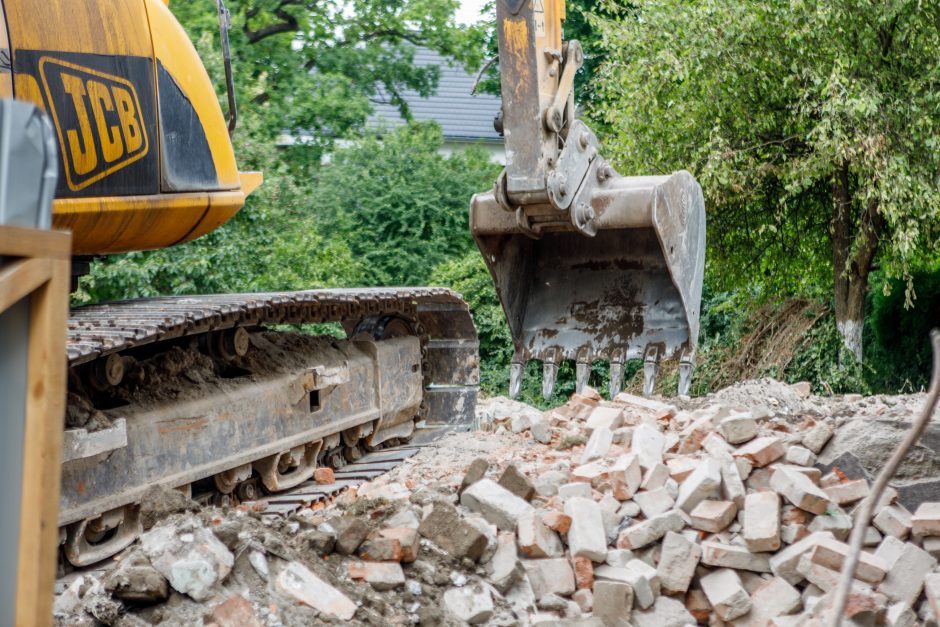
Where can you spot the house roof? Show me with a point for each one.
(462, 117)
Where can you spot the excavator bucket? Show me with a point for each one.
(633, 290)
(588, 264)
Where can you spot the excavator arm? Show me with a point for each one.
(589, 265)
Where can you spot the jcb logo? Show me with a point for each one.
(98, 119)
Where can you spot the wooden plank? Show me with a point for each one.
(21, 278)
(17, 241)
(42, 445)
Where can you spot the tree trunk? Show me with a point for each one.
(854, 244)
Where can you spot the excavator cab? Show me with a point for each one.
(589, 265)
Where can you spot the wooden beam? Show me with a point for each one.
(21, 278)
(16, 241)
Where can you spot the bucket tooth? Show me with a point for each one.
(650, 370)
(515, 378)
(582, 370)
(549, 374)
(616, 372)
(686, 369)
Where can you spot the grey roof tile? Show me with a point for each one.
(461, 116)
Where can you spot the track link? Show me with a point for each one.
(411, 355)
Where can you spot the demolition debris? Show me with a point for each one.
(729, 509)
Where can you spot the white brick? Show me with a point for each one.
(713, 516)
(905, 577)
(774, 597)
(932, 590)
(625, 476)
(613, 601)
(847, 492)
(832, 554)
(586, 537)
(926, 520)
(572, 490)
(681, 467)
(893, 520)
(655, 477)
(800, 456)
(762, 521)
(677, 563)
(834, 520)
(799, 490)
(733, 556)
(597, 445)
(815, 439)
(784, 563)
(643, 533)
(648, 445)
(666, 612)
(497, 504)
(535, 539)
(703, 483)
(738, 428)
(654, 502)
(550, 576)
(607, 417)
(762, 451)
(726, 594)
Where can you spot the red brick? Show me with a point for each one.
(583, 573)
(324, 475)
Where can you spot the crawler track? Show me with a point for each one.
(185, 391)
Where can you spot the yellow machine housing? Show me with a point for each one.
(145, 158)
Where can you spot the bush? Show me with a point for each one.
(896, 339)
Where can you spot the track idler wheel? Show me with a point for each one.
(227, 481)
(94, 539)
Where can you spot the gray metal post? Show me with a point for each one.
(28, 171)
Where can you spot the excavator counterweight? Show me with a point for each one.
(589, 265)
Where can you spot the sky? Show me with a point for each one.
(469, 11)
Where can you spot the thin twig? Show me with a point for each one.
(868, 505)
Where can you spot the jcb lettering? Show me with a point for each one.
(98, 118)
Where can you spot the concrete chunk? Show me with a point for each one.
(517, 483)
(444, 527)
(471, 604)
(800, 456)
(597, 445)
(497, 504)
(726, 594)
(380, 575)
(666, 612)
(774, 597)
(816, 438)
(762, 521)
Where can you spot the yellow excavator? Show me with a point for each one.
(198, 392)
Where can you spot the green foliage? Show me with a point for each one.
(273, 243)
(399, 205)
(898, 346)
(315, 66)
(824, 362)
(763, 101)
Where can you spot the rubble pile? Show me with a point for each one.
(623, 512)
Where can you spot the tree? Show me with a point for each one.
(813, 126)
(316, 66)
(398, 204)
